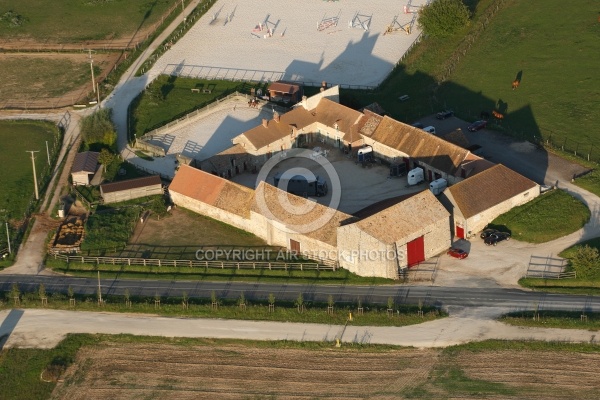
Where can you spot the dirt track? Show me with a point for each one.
(119, 371)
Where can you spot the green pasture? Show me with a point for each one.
(16, 179)
(550, 216)
(168, 98)
(555, 52)
(69, 21)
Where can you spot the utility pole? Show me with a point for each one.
(99, 289)
(92, 69)
(37, 196)
(98, 92)
(183, 11)
(47, 152)
(8, 239)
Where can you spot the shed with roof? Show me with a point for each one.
(85, 167)
(130, 189)
(477, 201)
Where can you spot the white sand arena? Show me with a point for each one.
(305, 41)
(211, 132)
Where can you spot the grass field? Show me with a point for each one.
(555, 55)
(16, 179)
(86, 20)
(32, 76)
(550, 216)
(168, 98)
(103, 366)
(555, 319)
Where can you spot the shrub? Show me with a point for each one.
(443, 18)
(586, 262)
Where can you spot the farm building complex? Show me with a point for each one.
(379, 242)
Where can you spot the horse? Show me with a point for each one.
(515, 84)
(497, 115)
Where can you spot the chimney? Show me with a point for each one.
(265, 122)
(276, 116)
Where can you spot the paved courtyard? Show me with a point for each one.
(359, 186)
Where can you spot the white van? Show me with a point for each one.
(430, 129)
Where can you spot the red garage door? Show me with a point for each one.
(416, 251)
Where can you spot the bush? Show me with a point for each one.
(98, 130)
(443, 18)
(586, 262)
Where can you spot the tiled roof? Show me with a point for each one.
(212, 190)
(458, 138)
(330, 113)
(371, 123)
(488, 189)
(261, 136)
(284, 87)
(420, 145)
(405, 218)
(307, 213)
(85, 162)
(131, 184)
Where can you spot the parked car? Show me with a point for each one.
(477, 125)
(418, 125)
(487, 232)
(494, 238)
(444, 114)
(457, 253)
(430, 129)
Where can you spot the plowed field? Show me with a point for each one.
(158, 371)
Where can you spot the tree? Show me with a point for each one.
(42, 291)
(105, 157)
(300, 302)
(443, 18)
(242, 299)
(70, 292)
(15, 293)
(98, 130)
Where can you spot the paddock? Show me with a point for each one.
(341, 42)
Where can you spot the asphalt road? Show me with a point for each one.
(441, 297)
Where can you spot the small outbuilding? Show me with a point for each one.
(285, 92)
(85, 168)
(131, 189)
(478, 200)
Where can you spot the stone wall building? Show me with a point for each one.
(477, 201)
(397, 237)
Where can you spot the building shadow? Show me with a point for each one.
(8, 325)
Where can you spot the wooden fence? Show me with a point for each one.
(156, 262)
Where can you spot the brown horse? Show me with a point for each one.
(497, 115)
(515, 84)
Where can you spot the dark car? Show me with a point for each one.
(487, 232)
(457, 253)
(494, 238)
(418, 125)
(444, 114)
(477, 125)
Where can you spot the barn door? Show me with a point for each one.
(460, 232)
(416, 251)
(295, 246)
